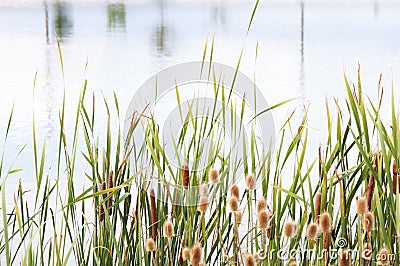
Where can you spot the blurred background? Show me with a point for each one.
(303, 48)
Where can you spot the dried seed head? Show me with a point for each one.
(250, 182)
(168, 229)
(249, 260)
(317, 205)
(312, 231)
(238, 217)
(195, 256)
(394, 168)
(263, 219)
(101, 212)
(367, 251)
(150, 245)
(383, 256)
(185, 175)
(233, 204)
(290, 229)
(362, 207)
(213, 176)
(345, 258)
(325, 222)
(369, 222)
(293, 263)
(261, 205)
(235, 191)
(186, 253)
(153, 211)
(203, 204)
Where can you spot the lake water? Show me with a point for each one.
(303, 48)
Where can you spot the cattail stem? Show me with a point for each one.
(153, 210)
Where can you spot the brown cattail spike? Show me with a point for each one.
(345, 258)
(369, 222)
(168, 229)
(396, 183)
(249, 260)
(290, 229)
(203, 204)
(195, 257)
(150, 245)
(153, 211)
(362, 206)
(186, 253)
(101, 212)
(261, 205)
(213, 176)
(384, 256)
(235, 191)
(233, 204)
(263, 219)
(327, 241)
(325, 222)
(312, 231)
(317, 206)
(185, 175)
(250, 182)
(370, 190)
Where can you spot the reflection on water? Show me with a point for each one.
(161, 32)
(116, 16)
(63, 24)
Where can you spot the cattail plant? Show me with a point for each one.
(233, 204)
(249, 260)
(312, 231)
(345, 258)
(263, 219)
(317, 205)
(250, 182)
(395, 180)
(203, 204)
(383, 256)
(110, 185)
(370, 190)
(185, 176)
(261, 205)
(168, 229)
(153, 212)
(369, 222)
(325, 222)
(362, 206)
(150, 245)
(290, 229)
(195, 256)
(235, 192)
(213, 176)
(186, 253)
(101, 212)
